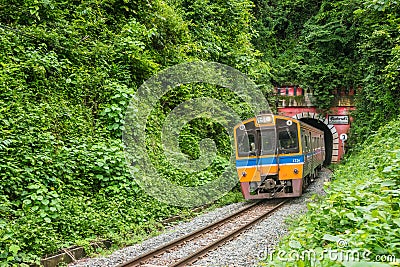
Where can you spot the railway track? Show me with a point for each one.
(207, 238)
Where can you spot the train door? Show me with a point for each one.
(267, 156)
(288, 144)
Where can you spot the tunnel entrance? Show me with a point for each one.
(328, 137)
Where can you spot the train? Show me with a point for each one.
(277, 156)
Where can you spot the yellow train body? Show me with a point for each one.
(277, 156)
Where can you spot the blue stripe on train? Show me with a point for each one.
(270, 160)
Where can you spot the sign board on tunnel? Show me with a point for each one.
(338, 119)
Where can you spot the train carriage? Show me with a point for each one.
(277, 156)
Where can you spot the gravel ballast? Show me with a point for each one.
(246, 250)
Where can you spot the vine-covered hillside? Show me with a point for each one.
(69, 68)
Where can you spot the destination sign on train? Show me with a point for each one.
(264, 119)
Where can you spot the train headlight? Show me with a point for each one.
(244, 174)
(296, 171)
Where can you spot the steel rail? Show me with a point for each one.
(162, 249)
(203, 251)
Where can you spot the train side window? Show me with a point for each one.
(306, 143)
(312, 143)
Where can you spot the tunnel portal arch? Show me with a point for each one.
(331, 136)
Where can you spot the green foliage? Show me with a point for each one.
(113, 113)
(311, 44)
(360, 211)
(68, 71)
(69, 68)
(193, 132)
(379, 61)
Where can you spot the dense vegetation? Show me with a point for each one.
(69, 69)
(360, 215)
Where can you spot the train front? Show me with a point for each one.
(268, 158)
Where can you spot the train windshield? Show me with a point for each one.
(246, 144)
(246, 140)
(288, 141)
(267, 141)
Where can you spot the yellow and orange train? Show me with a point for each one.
(277, 156)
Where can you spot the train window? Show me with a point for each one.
(267, 141)
(306, 143)
(246, 145)
(246, 141)
(287, 137)
(305, 149)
